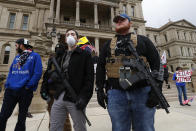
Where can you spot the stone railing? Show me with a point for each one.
(88, 25)
(71, 23)
(105, 27)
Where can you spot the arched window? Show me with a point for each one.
(6, 54)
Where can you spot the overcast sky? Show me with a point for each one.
(158, 12)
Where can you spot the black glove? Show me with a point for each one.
(101, 97)
(80, 104)
(152, 100)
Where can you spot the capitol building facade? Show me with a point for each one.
(43, 21)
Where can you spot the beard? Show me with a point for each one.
(19, 50)
(122, 28)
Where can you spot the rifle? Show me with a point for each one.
(139, 64)
(68, 86)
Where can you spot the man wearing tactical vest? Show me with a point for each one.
(130, 106)
(50, 85)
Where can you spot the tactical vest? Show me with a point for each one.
(114, 63)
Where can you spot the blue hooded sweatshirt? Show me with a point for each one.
(26, 76)
(178, 83)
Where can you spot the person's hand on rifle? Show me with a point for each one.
(153, 99)
(101, 97)
(80, 104)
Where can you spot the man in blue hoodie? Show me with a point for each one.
(24, 75)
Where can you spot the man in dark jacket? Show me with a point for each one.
(77, 67)
(127, 106)
(50, 85)
(24, 75)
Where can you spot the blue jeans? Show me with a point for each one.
(181, 89)
(128, 109)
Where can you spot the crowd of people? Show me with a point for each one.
(68, 81)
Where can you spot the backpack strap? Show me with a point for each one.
(112, 46)
(134, 39)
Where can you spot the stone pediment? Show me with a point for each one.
(184, 23)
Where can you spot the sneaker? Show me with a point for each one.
(188, 104)
(182, 104)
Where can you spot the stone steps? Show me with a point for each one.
(172, 94)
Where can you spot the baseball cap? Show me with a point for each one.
(120, 16)
(23, 41)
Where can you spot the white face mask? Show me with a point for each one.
(71, 41)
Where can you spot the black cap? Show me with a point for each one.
(24, 42)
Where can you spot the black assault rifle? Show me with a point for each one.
(139, 64)
(68, 86)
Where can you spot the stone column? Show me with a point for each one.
(96, 15)
(97, 45)
(77, 23)
(58, 10)
(141, 11)
(128, 9)
(112, 17)
(51, 15)
(120, 7)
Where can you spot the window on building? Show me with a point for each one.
(182, 51)
(192, 66)
(135, 30)
(132, 10)
(184, 35)
(191, 37)
(169, 55)
(189, 52)
(12, 20)
(124, 9)
(178, 35)
(165, 37)
(66, 19)
(25, 22)
(6, 54)
(155, 38)
(172, 68)
(82, 20)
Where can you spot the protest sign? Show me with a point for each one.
(183, 76)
